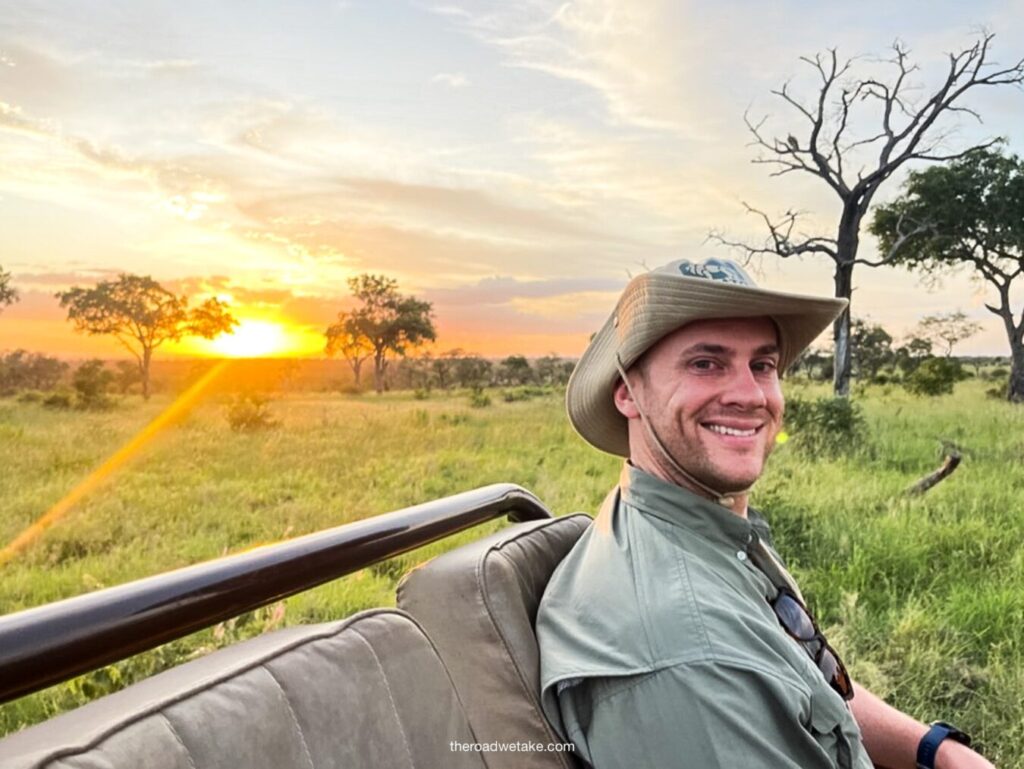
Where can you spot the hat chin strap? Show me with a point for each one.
(726, 500)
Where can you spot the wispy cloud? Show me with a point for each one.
(451, 79)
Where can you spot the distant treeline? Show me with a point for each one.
(22, 371)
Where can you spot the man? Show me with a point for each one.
(672, 635)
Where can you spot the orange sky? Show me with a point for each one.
(512, 164)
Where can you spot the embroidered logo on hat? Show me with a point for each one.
(722, 270)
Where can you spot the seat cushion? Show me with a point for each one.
(478, 603)
(367, 691)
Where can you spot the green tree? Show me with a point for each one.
(515, 369)
(389, 322)
(344, 338)
(855, 133)
(551, 370)
(472, 371)
(444, 367)
(142, 315)
(911, 354)
(949, 328)
(872, 348)
(21, 370)
(8, 295)
(966, 214)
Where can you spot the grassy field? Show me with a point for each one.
(924, 597)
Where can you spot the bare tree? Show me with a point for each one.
(907, 130)
(949, 329)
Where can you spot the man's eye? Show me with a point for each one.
(765, 366)
(704, 364)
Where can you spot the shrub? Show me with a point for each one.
(30, 396)
(996, 374)
(421, 393)
(250, 411)
(935, 376)
(21, 370)
(478, 399)
(350, 389)
(91, 382)
(829, 426)
(58, 400)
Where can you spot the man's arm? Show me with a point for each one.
(709, 715)
(891, 737)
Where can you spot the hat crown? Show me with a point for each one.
(721, 270)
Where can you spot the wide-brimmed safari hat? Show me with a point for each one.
(657, 303)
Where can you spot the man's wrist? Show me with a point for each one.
(939, 734)
(955, 755)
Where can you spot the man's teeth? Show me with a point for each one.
(730, 430)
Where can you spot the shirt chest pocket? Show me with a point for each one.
(830, 727)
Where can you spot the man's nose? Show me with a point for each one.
(744, 390)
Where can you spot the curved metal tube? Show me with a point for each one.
(48, 644)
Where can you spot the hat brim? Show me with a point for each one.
(656, 304)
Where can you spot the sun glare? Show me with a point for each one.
(251, 339)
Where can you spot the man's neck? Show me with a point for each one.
(665, 472)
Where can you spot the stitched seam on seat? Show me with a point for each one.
(215, 680)
(551, 522)
(391, 699)
(174, 732)
(291, 712)
(481, 573)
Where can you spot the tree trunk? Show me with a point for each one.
(1015, 336)
(1015, 392)
(841, 333)
(357, 369)
(378, 372)
(147, 355)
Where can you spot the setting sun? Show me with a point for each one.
(252, 339)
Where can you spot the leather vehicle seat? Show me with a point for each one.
(368, 691)
(478, 603)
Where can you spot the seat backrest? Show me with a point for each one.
(367, 691)
(478, 603)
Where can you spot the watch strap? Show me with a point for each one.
(928, 747)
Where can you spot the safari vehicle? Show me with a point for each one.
(448, 679)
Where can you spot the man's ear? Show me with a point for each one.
(624, 401)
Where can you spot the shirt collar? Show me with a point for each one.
(681, 507)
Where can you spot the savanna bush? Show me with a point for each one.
(59, 400)
(250, 411)
(478, 399)
(935, 376)
(91, 381)
(825, 426)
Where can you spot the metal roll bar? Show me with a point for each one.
(48, 644)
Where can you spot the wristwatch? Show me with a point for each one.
(929, 744)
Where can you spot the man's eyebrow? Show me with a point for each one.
(718, 349)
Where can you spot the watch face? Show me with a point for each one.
(954, 734)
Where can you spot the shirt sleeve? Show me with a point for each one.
(709, 715)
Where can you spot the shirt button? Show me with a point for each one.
(741, 555)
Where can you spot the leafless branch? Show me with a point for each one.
(952, 461)
(780, 240)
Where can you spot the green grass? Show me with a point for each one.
(924, 597)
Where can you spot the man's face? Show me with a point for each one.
(711, 390)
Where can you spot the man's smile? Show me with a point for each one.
(734, 429)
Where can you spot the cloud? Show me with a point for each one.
(506, 289)
(451, 79)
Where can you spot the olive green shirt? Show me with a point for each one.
(659, 647)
